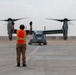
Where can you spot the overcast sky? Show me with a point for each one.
(37, 11)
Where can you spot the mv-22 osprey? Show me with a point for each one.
(38, 36)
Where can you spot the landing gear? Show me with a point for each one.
(45, 43)
(10, 37)
(30, 43)
(42, 43)
(39, 43)
(65, 34)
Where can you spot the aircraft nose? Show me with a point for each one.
(39, 39)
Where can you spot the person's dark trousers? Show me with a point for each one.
(21, 49)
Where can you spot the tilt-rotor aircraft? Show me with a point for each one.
(39, 36)
(10, 26)
(64, 27)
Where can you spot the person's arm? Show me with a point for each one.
(30, 30)
(30, 26)
(14, 31)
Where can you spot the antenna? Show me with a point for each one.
(44, 30)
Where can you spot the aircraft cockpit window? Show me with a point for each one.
(39, 36)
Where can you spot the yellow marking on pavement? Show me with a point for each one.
(33, 53)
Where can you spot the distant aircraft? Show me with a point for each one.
(10, 26)
(64, 27)
(39, 36)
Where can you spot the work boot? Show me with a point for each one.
(24, 65)
(18, 65)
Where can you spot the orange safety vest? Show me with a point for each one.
(21, 37)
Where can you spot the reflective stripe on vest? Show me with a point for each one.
(21, 36)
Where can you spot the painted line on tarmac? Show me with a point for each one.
(28, 58)
(33, 53)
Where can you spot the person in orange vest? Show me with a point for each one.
(21, 43)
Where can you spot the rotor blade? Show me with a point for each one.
(14, 19)
(19, 19)
(3, 20)
(7, 19)
(55, 19)
(72, 20)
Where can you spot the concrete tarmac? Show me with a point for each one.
(58, 57)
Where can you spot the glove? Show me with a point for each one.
(30, 23)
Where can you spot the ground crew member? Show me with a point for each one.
(21, 43)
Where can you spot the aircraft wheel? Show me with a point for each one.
(65, 38)
(45, 43)
(65, 35)
(39, 43)
(10, 38)
(29, 43)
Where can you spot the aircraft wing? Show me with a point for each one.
(55, 19)
(46, 31)
(25, 30)
(53, 31)
(3, 20)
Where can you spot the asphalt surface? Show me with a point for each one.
(58, 57)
